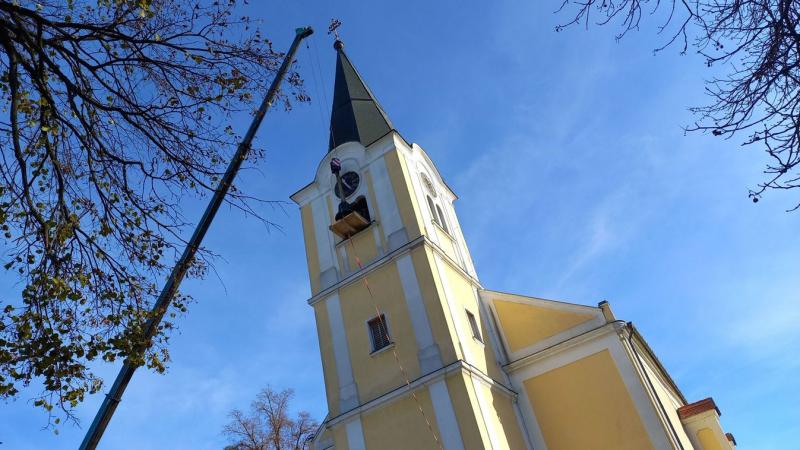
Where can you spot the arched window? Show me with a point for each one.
(442, 222)
(437, 214)
(432, 207)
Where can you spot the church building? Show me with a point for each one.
(418, 354)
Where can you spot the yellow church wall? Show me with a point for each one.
(328, 359)
(446, 243)
(708, 440)
(447, 324)
(497, 431)
(507, 420)
(434, 307)
(340, 437)
(406, 201)
(312, 258)
(399, 425)
(378, 373)
(366, 249)
(587, 395)
(465, 405)
(482, 354)
(524, 324)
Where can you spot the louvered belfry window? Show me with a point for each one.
(379, 333)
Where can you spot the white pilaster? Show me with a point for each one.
(391, 222)
(488, 413)
(348, 393)
(445, 416)
(328, 264)
(429, 357)
(355, 434)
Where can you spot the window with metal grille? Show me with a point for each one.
(379, 333)
(473, 323)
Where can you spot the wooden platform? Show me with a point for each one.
(349, 225)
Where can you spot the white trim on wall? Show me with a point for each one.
(485, 408)
(429, 357)
(355, 435)
(325, 248)
(445, 415)
(348, 393)
(390, 218)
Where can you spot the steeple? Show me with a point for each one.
(356, 114)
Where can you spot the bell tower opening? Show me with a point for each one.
(390, 278)
(360, 206)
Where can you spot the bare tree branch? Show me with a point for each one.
(757, 42)
(269, 426)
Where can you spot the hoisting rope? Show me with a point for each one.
(317, 83)
(385, 331)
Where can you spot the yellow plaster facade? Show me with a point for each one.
(526, 324)
(377, 372)
(586, 395)
(466, 367)
(707, 439)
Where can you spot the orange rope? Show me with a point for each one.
(394, 348)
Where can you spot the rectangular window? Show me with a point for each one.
(379, 333)
(473, 323)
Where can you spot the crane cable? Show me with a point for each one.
(317, 82)
(385, 331)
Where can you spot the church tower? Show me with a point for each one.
(418, 355)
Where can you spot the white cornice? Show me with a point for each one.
(423, 381)
(391, 256)
(616, 326)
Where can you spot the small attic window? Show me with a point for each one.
(473, 324)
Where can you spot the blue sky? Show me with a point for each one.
(576, 182)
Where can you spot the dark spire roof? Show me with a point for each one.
(356, 115)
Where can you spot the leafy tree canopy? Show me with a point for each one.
(113, 111)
